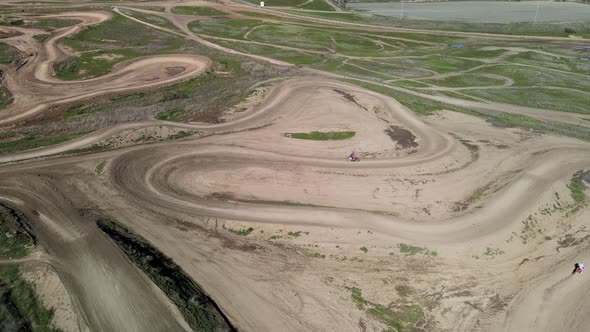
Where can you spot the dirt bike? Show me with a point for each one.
(578, 269)
(353, 158)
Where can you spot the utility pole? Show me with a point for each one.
(401, 12)
(536, 13)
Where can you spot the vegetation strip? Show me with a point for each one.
(197, 308)
(20, 307)
(16, 236)
(322, 136)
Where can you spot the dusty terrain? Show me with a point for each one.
(447, 222)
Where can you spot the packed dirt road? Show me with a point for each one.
(448, 222)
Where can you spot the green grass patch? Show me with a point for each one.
(41, 38)
(52, 24)
(153, 8)
(171, 115)
(149, 18)
(16, 237)
(20, 307)
(321, 39)
(198, 309)
(293, 57)
(577, 189)
(196, 10)
(225, 27)
(243, 232)
(397, 317)
(76, 110)
(31, 142)
(364, 249)
(91, 64)
(322, 136)
(295, 234)
(5, 97)
(317, 5)
(552, 99)
(6, 54)
(493, 252)
(413, 250)
(466, 80)
(100, 167)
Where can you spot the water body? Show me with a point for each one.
(481, 11)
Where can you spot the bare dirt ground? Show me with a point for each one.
(487, 213)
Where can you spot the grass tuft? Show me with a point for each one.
(243, 232)
(413, 250)
(171, 115)
(100, 167)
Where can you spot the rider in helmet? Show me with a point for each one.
(579, 268)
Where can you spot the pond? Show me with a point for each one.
(480, 11)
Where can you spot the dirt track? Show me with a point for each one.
(35, 89)
(182, 195)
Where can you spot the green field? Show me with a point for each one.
(6, 55)
(558, 100)
(199, 11)
(149, 18)
(32, 142)
(466, 80)
(226, 27)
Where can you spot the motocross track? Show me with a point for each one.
(35, 89)
(449, 182)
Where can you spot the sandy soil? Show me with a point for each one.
(54, 295)
(494, 204)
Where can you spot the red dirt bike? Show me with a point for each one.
(578, 269)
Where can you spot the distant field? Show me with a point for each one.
(480, 11)
(305, 4)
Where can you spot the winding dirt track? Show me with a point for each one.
(35, 89)
(168, 192)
